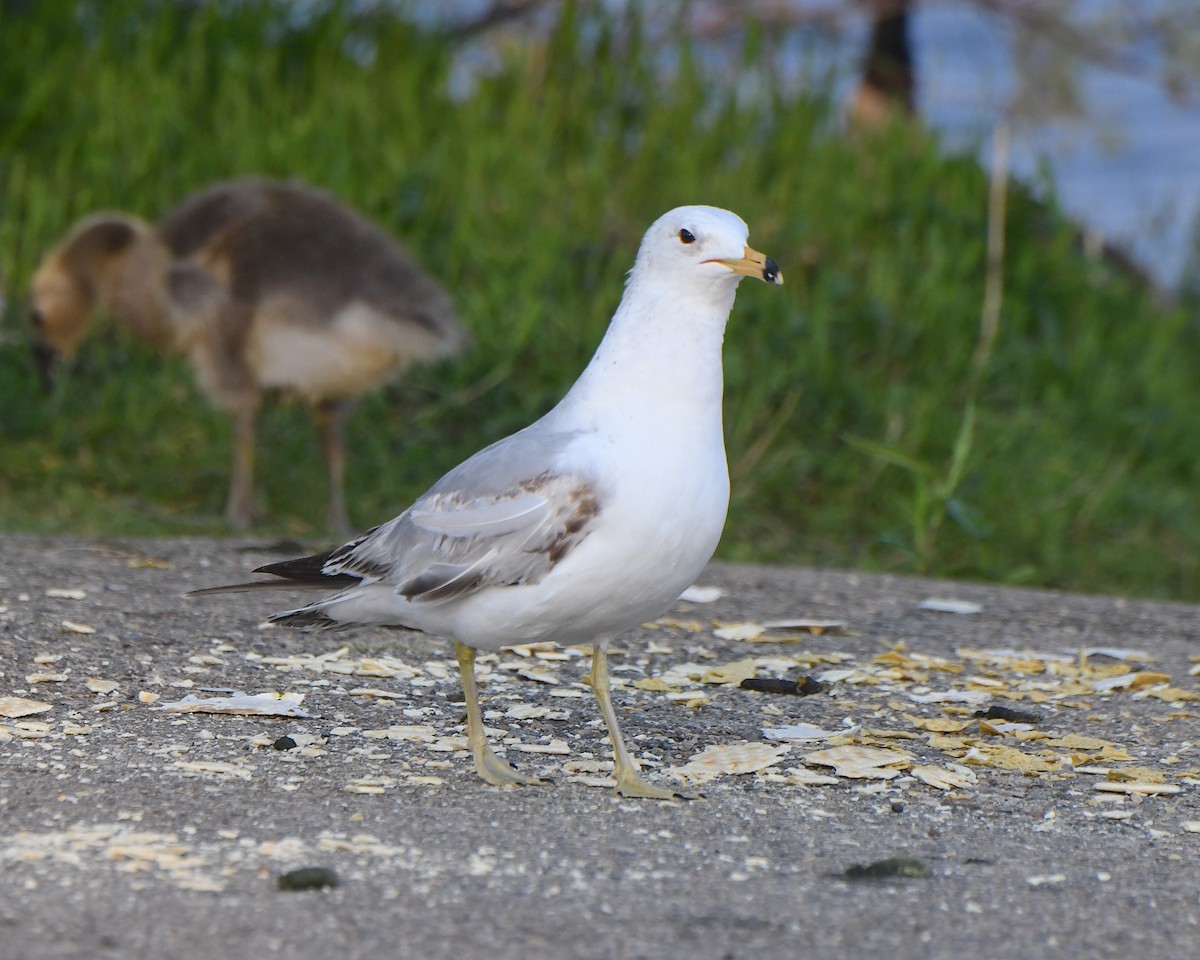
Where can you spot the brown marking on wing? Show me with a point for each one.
(584, 507)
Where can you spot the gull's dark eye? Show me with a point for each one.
(686, 236)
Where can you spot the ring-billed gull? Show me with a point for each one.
(588, 522)
(265, 286)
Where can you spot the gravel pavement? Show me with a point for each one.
(1036, 763)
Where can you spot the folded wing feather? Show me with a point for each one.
(447, 545)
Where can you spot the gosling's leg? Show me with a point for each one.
(331, 417)
(629, 777)
(499, 773)
(240, 511)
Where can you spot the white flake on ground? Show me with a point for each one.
(412, 733)
(725, 759)
(948, 605)
(1046, 879)
(951, 696)
(858, 762)
(553, 747)
(698, 594)
(943, 778)
(1136, 787)
(1119, 653)
(21, 707)
(805, 625)
(270, 704)
(217, 768)
(371, 785)
(739, 631)
(96, 685)
(803, 732)
(734, 672)
(802, 777)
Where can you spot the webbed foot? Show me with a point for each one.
(500, 773)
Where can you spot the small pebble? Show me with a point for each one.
(892, 867)
(1009, 714)
(308, 878)
(804, 687)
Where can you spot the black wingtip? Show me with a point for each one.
(308, 571)
(304, 618)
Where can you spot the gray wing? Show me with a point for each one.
(504, 517)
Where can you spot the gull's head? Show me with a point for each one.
(702, 246)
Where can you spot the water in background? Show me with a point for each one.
(1130, 169)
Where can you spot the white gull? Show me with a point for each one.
(586, 523)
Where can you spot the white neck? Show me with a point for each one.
(660, 360)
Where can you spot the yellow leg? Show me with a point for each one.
(499, 773)
(629, 777)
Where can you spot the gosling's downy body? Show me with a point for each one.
(265, 286)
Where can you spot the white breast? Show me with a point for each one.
(654, 534)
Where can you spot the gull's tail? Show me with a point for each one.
(301, 573)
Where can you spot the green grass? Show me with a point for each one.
(528, 198)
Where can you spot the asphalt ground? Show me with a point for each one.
(1027, 775)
